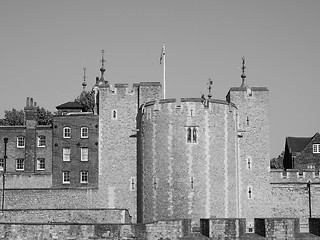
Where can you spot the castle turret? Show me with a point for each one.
(253, 154)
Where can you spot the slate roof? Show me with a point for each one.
(297, 144)
(69, 105)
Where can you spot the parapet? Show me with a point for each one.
(279, 176)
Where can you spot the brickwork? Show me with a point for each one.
(181, 178)
(75, 143)
(253, 151)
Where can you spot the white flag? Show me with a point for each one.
(162, 53)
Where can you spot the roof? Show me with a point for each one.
(69, 105)
(297, 144)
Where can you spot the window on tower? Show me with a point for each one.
(192, 134)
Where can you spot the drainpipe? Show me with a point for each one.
(4, 170)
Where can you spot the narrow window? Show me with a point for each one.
(66, 177)
(247, 120)
(20, 142)
(41, 141)
(66, 132)
(249, 192)
(154, 183)
(132, 183)
(114, 114)
(1, 164)
(41, 164)
(20, 164)
(66, 154)
(84, 132)
(311, 166)
(84, 176)
(84, 154)
(249, 163)
(192, 182)
(192, 135)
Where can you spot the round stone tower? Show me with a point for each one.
(189, 159)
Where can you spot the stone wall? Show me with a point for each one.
(114, 216)
(170, 230)
(184, 179)
(277, 228)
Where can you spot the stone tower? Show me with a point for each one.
(252, 149)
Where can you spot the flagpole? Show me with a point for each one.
(164, 72)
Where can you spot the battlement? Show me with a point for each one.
(186, 100)
(294, 176)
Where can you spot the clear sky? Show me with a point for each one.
(44, 46)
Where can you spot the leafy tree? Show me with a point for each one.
(277, 162)
(16, 117)
(86, 99)
(13, 117)
(44, 117)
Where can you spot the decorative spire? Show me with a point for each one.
(102, 69)
(84, 84)
(210, 83)
(243, 75)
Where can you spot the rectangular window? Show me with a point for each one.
(84, 176)
(66, 177)
(66, 154)
(84, 154)
(316, 148)
(66, 132)
(132, 183)
(41, 141)
(41, 165)
(20, 142)
(84, 132)
(192, 135)
(311, 166)
(20, 164)
(1, 164)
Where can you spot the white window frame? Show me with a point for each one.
(84, 132)
(20, 165)
(311, 166)
(84, 154)
(316, 148)
(66, 152)
(66, 132)
(66, 177)
(41, 141)
(41, 166)
(84, 177)
(21, 142)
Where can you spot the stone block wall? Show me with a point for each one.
(223, 228)
(114, 216)
(277, 228)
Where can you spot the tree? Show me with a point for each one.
(277, 162)
(16, 117)
(86, 99)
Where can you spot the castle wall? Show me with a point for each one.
(184, 179)
(117, 147)
(253, 151)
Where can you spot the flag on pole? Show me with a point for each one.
(162, 53)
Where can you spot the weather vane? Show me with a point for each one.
(102, 58)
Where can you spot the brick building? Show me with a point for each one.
(75, 148)
(302, 153)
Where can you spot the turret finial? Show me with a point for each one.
(84, 84)
(102, 69)
(243, 75)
